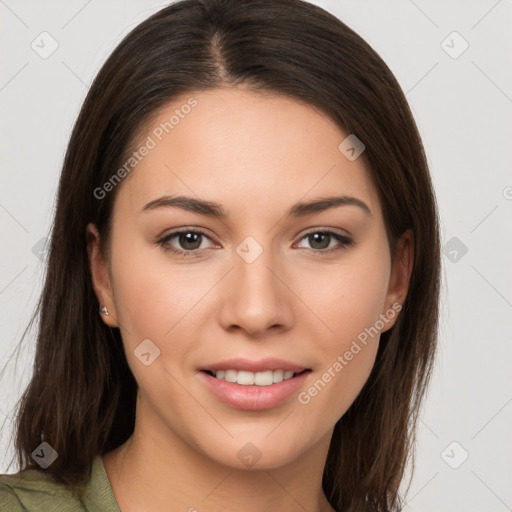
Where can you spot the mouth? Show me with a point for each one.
(254, 385)
(248, 378)
(250, 385)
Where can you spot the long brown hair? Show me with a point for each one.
(81, 397)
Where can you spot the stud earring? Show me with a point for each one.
(104, 310)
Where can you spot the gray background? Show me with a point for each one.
(463, 106)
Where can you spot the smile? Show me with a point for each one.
(253, 391)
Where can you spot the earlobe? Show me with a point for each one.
(100, 276)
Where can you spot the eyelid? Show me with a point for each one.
(325, 229)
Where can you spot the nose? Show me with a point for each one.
(256, 298)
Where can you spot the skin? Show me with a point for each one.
(257, 155)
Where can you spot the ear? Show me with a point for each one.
(401, 270)
(100, 275)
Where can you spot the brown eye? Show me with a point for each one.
(320, 241)
(188, 242)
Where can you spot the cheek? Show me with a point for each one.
(154, 300)
(349, 299)
(334, 388)
(345, 358)
(150, 292)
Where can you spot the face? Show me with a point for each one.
(254, 288)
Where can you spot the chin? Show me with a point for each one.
(257, 450)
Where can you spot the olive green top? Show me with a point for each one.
(34, 490)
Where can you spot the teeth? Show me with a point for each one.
(266, 378)
(278, 375)
(230, 375)
(245, 378)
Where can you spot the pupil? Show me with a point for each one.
(187, 238)
(315, 237)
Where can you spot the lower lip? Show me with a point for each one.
(253, 398)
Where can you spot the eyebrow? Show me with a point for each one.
(215, 210)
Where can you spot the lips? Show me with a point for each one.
(254, 385)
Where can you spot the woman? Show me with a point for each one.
(241, 304)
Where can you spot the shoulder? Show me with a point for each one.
(8, 499)
(34, 490)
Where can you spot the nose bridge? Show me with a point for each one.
(255, 299)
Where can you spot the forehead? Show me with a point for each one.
(251, 152)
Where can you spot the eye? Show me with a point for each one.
(189, 239)
(320, 241)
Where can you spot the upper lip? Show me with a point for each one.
(260, 365)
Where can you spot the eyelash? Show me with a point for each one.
(344, 241)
